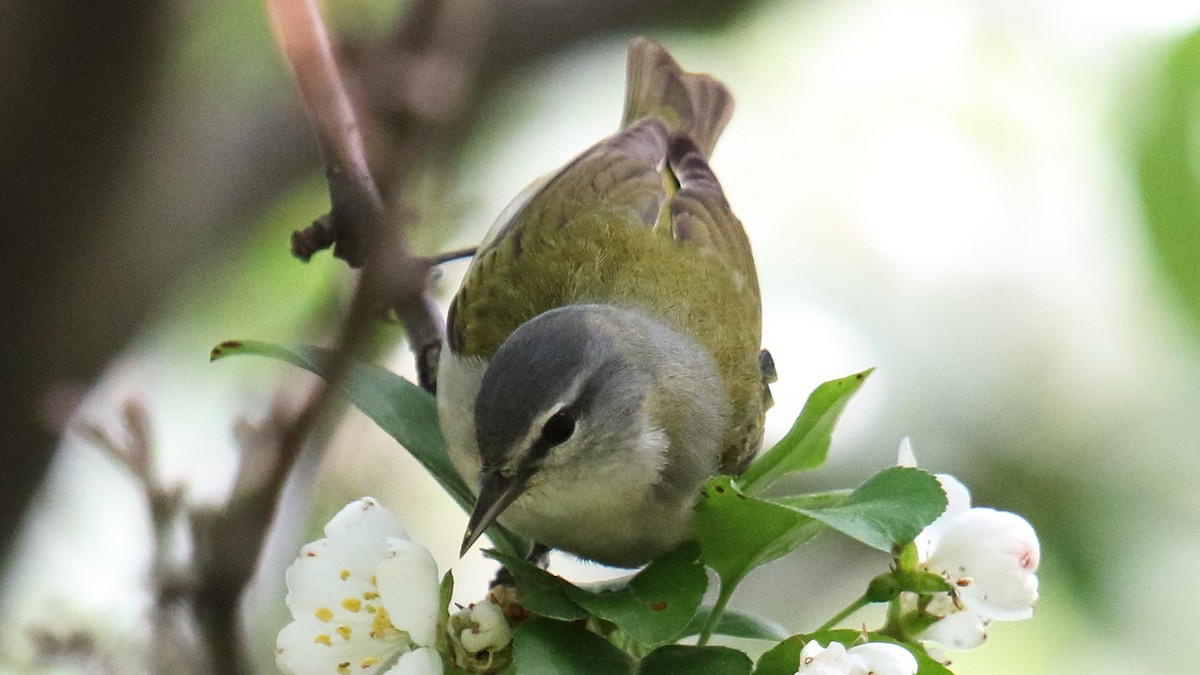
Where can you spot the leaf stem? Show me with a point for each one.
(718, 610)
(853, 607)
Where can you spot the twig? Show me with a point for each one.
(354, 197)
(172, 647)
(136, 454)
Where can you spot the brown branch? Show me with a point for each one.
(228, 541)
(354, 197)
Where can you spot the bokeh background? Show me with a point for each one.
(995, 203)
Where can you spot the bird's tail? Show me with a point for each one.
(690, 103)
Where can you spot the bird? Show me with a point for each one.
(603, 352)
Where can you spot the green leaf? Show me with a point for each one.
(657, 604)
(549, 647)
(402, 409)
(689, 660)
(445, 594)
(888, 510)
(739, 625)
(784, 658)
(806, 444)
(738, 533)
(813, 500)
(1168, 172)
(539, 591)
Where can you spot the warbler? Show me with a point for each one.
(602, 356)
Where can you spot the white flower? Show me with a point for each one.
(989, 557)
(874, 658)
(361, 598)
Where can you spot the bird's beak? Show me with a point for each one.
(496, 492)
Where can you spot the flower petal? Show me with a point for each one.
(958, 501)
(991, 558)
(333, 578)
(423, 661)
(959, 630)
(364, 518)
(408, 588)
(831, 660)
(906, 457)
(882, 658)
(311, 646)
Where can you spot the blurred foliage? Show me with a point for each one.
(1168, 166)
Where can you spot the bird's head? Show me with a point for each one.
(563, 399)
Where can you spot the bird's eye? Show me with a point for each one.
(558, 428)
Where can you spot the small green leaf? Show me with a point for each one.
(689, 660)
(539, 591)
(445, 594)
(806, 444)
(888, 510)
(739, 625)
(658, 603)
(784, 658)
(549, 647)
(402, 409)
(738, 533)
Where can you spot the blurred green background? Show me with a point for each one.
(994, 203)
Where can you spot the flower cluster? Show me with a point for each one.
(365, 598)
(989, 558)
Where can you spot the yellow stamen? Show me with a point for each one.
(369, 661)
(344, 631)
(343, 668)
(352, 604)
(370, 595)
(381, 626)
(323, 639)
(345, 574)
(323, 614)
